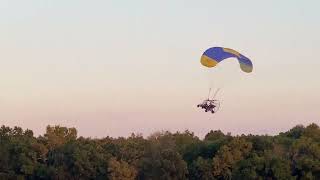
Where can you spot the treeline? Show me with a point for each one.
(60, 154)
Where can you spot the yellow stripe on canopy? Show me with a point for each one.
(208, 62)
(231, 51)
(245, 68)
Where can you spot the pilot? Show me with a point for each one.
(204, 104)
(211, 105)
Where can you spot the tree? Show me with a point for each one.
(214, 135)
(60, 154)
(162, 160)
(56, 136)
(228, 156)
(305, 154)
(120, 170)
(201, 169)
(130, 149)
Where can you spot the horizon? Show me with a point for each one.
(156, 133)
(112, 68)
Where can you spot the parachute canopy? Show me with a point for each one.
(212, 56)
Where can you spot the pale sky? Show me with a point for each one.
(123, 66)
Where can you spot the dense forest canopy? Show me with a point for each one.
(61, 154)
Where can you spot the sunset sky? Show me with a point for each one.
(122, 66)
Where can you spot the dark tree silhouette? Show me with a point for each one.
(61, 154)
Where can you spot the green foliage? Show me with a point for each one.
(120, 170)
(161, 159)
(61, 154)
(201, 169)
(229, 155)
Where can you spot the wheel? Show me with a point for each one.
(212, 111)
(216, 106)
(198, 105)
(206, 110)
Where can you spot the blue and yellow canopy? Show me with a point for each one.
(212, 56)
